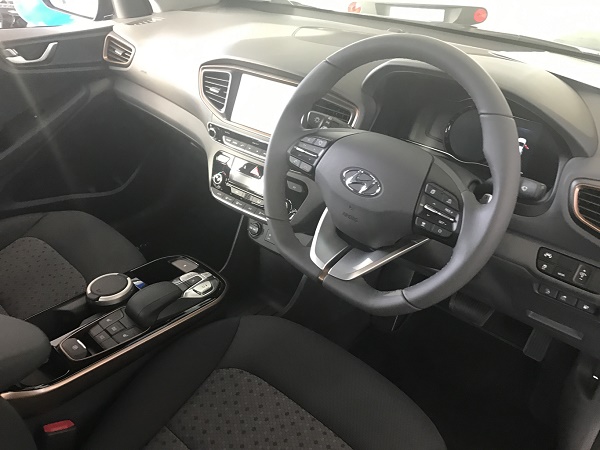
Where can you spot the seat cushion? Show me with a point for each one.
(49, 258)
(256, 382)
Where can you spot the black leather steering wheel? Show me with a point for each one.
(385, 196)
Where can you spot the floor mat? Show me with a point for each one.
(474, 387)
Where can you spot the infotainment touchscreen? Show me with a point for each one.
(260, 102)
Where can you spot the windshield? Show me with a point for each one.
(572, 22)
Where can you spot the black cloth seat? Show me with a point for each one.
(261, 382)
(48, 258)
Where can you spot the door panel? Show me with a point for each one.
(65, 141)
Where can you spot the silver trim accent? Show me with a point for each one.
(326, 244)
(450, 155)
(357, 263)
(19, 60)
(435, 211)
(114, 299)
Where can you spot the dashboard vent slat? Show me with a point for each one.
(117, 51)
(586, 206)
(215, 87)
(332, 109)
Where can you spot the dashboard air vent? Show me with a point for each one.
(117, 51)
(332, 109)
(146, 21)
(215, 87)
(586, 206)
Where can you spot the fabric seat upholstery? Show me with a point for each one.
(48, 258)
(261, 382)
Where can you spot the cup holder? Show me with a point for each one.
(110, 289)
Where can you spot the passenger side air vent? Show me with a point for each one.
(117, 51)
(215, 87)
(586, 206)
(332, 109)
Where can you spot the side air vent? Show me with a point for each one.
(332, 109)
(586, 206)
(215, 87)
(117, 51)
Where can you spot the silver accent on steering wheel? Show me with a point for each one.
(347, 263)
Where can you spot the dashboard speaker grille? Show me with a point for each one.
(332, 109)
(215, 87)
(587, 206)
(117, 51)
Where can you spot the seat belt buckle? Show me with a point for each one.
(60, 435)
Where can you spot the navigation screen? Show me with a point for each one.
(260, 102)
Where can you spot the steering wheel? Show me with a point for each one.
(385, 197)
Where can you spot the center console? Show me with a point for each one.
(134, 313)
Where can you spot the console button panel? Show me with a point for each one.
(568, 270)
(567, 299)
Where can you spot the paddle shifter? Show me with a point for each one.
(162, 301)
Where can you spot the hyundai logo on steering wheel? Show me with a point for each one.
(361, 182)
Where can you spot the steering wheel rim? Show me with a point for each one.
(482, 226)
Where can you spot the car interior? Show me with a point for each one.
(262, 224)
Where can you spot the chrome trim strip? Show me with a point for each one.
(450, 155)
(327, 241)
(357, 263)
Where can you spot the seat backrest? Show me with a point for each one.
(13, 432)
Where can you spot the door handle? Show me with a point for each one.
(15, 58)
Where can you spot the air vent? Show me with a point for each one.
(146, 21)
(117, 51)
(333, 109)
(215, 87)
(586, 206)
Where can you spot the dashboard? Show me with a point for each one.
(221, 75)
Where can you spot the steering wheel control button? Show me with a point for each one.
(423, 224)
(320, 142)
(111, 319)
(439, 231)
(566, 298)
(450, 200)
(582, 275)
(74, 348)
(434, 191)
(587, 307)
(548, 291)
(436, 219)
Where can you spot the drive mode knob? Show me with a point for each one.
(254, 229)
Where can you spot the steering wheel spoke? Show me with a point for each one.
(338, 259)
